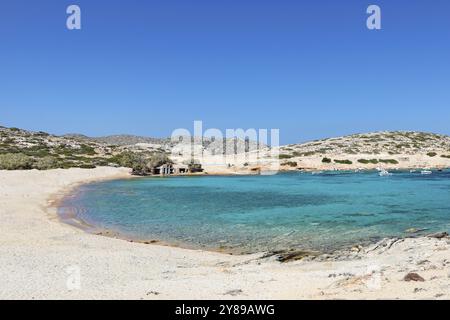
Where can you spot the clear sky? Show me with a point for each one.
(310, 68)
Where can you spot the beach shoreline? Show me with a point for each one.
(69, 216)
(37, 248)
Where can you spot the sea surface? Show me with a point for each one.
(323, 212)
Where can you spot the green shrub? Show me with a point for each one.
(70, 151)
(15, 161)
(8, 141)
(326, 160)
(158, 159)
(445, 156)
(100, 162)
(37, 151)
(431, 154)
(391, 161)
(127, 159)
(46, 163)
(309, 153)
(365, 161)
(66, 164)
(290, 163)
(285, 156)
(343, 161)
(87, 166)
(85, 149)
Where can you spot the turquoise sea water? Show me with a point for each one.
(257, 213)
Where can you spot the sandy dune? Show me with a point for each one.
(40, 258)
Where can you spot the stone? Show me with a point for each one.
(234, 292)
(293, 255)
(412, 276)
(438, 235)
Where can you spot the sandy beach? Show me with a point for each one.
(38, 253)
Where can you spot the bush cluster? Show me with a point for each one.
(343, 161)
(290, 163)
(15, 161)
(21, 161)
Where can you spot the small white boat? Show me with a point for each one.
(412, 171)
(426, 172)
(316, 172)
(384, 173)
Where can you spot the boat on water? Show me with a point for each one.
(316, 172)
(384, 173)
(426, 172)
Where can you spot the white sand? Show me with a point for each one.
(37, 250)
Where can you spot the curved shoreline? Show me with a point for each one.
(74, 220)
(55, 199)
(36, 250)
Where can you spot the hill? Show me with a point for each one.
(398, 149)
(23, 149)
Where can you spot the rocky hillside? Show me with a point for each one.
(22, 149)
(120, 140)
(407, 142)
(401, 149)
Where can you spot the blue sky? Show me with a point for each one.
(310, 68)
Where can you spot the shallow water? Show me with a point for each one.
(257, 213)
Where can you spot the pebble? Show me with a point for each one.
(412, 276)
(233, 292)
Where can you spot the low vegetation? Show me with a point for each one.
(394, 143)
(21, 149)
(343, 161)
(24, 150)
(15, 161)
(285, 156)
(367, 161)
(390, 161)
(290, 163)
(376, 161)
